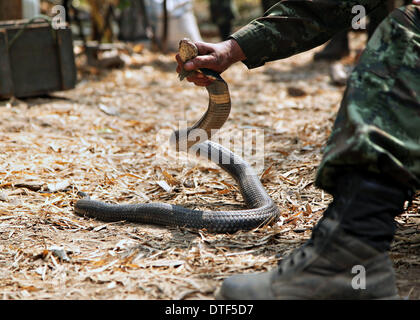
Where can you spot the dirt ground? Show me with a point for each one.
(101, 138)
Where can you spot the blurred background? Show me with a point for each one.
(158, 21)
(47, 42)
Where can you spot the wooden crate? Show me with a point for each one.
(37, 61)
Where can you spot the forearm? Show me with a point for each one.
(294, 26)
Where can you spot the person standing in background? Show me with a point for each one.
(222, 14)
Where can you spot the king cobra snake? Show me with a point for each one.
(261, 208)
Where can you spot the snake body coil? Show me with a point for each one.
(262, 209)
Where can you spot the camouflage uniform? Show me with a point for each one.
(378, 125)
(371, 161)
(222, 14)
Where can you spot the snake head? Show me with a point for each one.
(187, 51)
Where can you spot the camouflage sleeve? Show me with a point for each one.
(294, 26)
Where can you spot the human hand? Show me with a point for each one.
(417, 2)
(218, 57)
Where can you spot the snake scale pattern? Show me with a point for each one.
(261, 208)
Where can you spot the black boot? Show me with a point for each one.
(337, 48)
(366, 204)
(345, 257)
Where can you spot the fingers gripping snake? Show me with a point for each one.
(261, 208)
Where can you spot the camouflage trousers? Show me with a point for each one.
(378, 124)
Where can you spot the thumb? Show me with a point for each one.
(207, 61)
(204, 47)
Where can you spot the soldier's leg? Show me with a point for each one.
(381, 100)
(222, 14)
(377, 128)
(336, 48)
(371, 165)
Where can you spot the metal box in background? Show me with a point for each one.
(35, 59)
